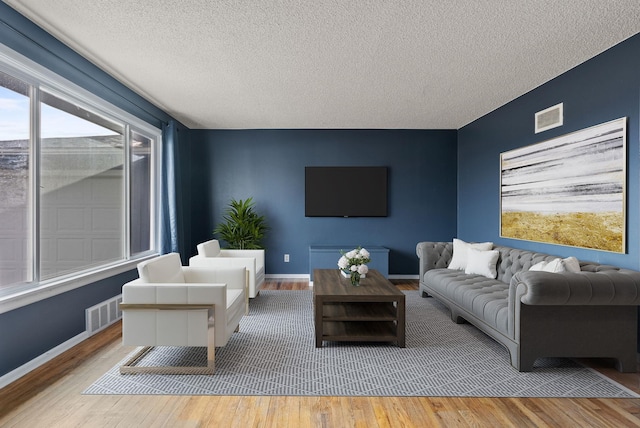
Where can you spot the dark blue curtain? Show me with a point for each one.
(168, 200)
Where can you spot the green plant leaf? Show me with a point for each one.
(242, 227)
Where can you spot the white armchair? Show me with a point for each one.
(175, 305)
(210, 255)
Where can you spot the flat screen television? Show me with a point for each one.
(345, 191)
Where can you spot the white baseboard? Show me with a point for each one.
(16, 374)
(288, 275)
(307, 276)
(404, 276)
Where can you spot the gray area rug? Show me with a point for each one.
(274, 353)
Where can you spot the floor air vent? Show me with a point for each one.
(103, 314)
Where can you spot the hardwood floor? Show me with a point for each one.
(51, 396)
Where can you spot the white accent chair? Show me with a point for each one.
(175, 305)
(211, 255)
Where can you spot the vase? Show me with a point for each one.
(354, 277)
(355, 280)
(348, 274)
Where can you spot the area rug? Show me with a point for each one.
(274, 353)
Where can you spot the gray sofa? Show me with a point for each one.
(586, 314)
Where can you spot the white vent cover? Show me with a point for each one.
(103, 314)
(548, 118)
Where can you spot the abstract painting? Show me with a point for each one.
(569, 190)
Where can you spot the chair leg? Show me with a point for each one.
(129, 367)
(246, 292)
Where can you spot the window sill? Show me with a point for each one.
(28, 294)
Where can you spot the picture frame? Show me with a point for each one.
(569, 190)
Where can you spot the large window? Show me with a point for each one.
(15, 180)
(77, 185)
(141, 200)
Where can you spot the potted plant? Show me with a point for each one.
(242, 228)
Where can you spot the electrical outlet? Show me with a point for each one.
(286, 258)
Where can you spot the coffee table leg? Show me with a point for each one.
(401, 322)
(317, 307)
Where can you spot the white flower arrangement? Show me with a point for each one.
(352, 264)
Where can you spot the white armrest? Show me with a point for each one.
(138, 292)
(256, 254)
(248, 263)
(235, 278)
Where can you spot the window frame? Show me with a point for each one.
(41, 78)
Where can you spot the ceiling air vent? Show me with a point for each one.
(549, 118)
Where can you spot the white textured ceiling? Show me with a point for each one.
(415, 64)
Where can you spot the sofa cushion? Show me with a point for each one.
(482, 262)
(538, 266)
(571, 264)
(554, 266)
(460, 252)
(485, 298)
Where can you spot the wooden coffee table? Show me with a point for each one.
(374, 311)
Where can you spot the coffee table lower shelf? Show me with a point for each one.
(353, 331)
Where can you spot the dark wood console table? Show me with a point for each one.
(371, 312)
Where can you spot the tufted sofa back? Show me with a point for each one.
(510, 261)
(438, 253)
(513, 260)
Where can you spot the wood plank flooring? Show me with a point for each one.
(51, 397)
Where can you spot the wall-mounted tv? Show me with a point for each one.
(345, 191)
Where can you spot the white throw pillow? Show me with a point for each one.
(571, 264)
(554, 266)
(482, 262)
(538, 266)
(459, 258)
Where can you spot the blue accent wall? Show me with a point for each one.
(604, 88)
(268, 165)
(30, 331)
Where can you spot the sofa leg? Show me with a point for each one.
(626, 364)
(456, 318)
(523, 363)
(523, 367)
(425, 294)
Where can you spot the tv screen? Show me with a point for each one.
(341, 191)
